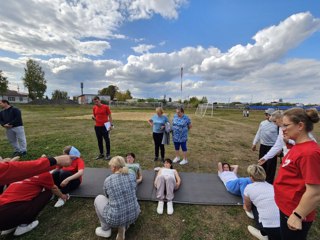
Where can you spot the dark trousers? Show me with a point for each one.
(25, 212)
(59, 176)
(288, 234)
(272, 233)
(102, 133)
(157, 138)
(269, 166)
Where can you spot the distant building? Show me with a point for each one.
(87, 98)
(15, 97)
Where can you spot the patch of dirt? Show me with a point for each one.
(125, 116)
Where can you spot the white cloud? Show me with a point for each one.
(71, 28)
(142, 48)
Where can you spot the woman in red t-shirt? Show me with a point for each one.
(69, 178)
(297, 187)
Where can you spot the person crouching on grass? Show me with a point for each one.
(167, 180)
(69, 178)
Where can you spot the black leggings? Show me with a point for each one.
(288, 234)
(269, 166)
(24, 212)
(272, 233)
(60, 175)
(157, 138)
(102, 133)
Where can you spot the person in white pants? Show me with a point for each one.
(167, 181)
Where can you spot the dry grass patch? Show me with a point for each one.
(122, 116)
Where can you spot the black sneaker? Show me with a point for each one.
(23, 153)
(155, 159)
(15, 154)
(162, 160)
(99, 156)
(108, 157)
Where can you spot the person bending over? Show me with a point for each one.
(22, 201)
(259, 197)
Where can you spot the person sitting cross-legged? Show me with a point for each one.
(166, 182)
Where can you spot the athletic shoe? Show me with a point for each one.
(176, 159)
(5, 232)
(15, 154)
(169, 208)
(121, 233)
(160, 207)
(24, 229)
(99, 156)
(256, 233)
(23, 153)
(250, 214)
(61, 202)
(101, 233)
(162, 160)
(183, 162)
(108, 157)
(155, 159)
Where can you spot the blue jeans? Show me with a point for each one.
(238, 185)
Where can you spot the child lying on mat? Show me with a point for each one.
(234, 184)
(133, 167)
(167, 180)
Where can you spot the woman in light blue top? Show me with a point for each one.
(158, 122)
(181, 124)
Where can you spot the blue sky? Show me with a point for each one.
(231, 50)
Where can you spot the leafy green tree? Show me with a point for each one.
(123, 96)
(34, 80)
(204, 100)
(57, 94)
(111, 91)
(3, 83)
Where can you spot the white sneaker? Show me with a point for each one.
(5, 232)
(61, 202)
(249, 214)
(256, 233)
(121, 233)
(101, 233)
(170, 208)
(160, 207)
(183, 162)
(176, 159)
(24, 229)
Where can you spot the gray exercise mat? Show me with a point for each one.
(196, 188)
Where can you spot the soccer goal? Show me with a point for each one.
(204, 109)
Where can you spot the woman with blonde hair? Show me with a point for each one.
(297, 186)
(158, 122)
(259, 198)
(119, 207)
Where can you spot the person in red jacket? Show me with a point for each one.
(297, 186)
(11, 171)
(102, 115)
(22, 201)
(69, 178)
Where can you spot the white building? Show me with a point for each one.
(15, 97)
(87, 98)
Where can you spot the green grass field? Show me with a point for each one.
(226, 136)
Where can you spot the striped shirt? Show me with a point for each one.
(267, 133)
